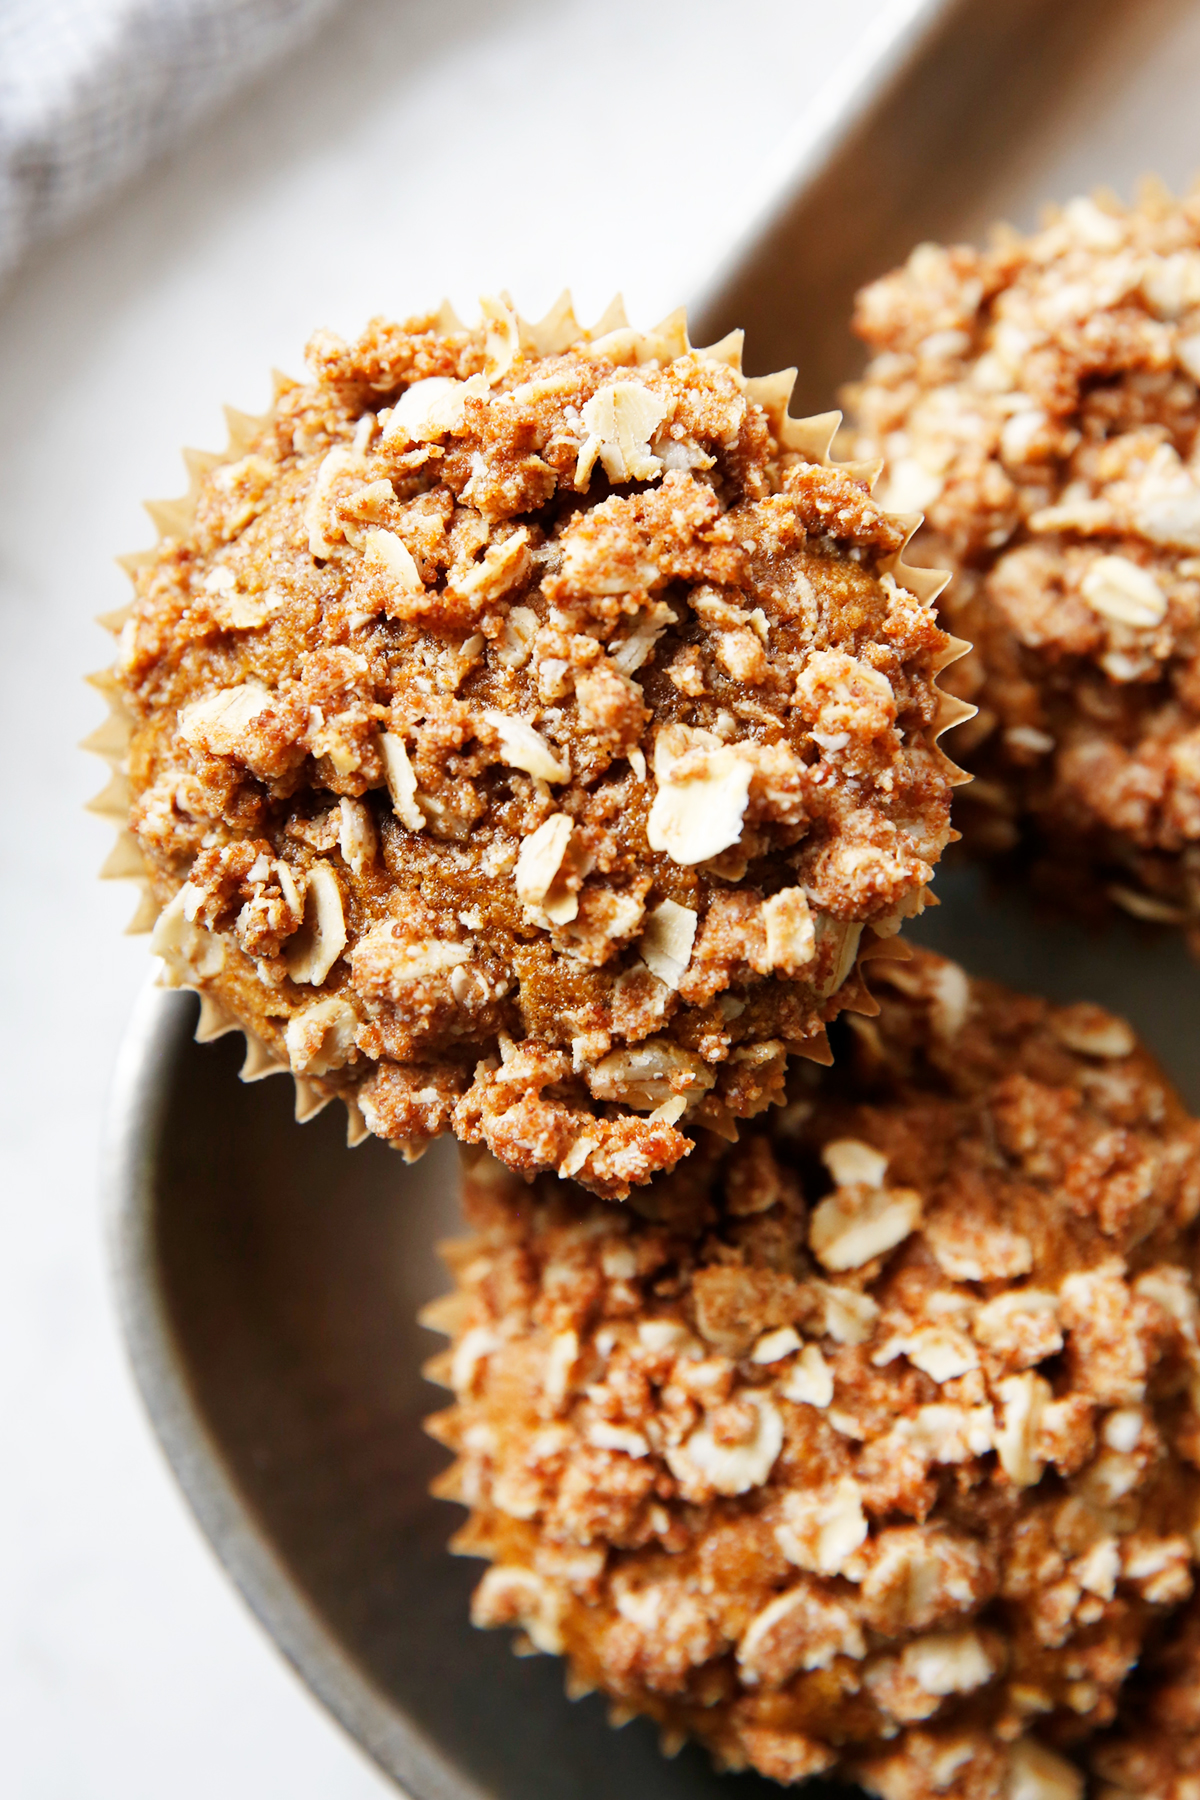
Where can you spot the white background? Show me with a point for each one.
(414, 149)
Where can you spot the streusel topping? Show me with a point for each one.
(531, 732)
(871, 1444)
(1038, 400)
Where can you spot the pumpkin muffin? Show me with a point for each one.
(870, 1445)
(1038, 401)
(528, 733)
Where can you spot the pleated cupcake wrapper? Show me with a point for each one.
(812, 438)
(447, 1315)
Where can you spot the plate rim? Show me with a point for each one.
(159, 1029)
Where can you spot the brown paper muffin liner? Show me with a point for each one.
(560, 329)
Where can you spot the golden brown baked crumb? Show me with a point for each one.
(527, 726)
(870, 1444)
(1038, 400)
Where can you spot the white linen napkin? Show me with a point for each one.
(91, 90)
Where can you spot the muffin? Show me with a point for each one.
(527, 732)
(868, 1446)
(1038, 401)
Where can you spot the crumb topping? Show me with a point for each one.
(869, 1444)
(1038, 401)
(546, 704)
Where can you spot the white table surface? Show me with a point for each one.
(416, 148)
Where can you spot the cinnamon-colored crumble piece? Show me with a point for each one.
(531, 733)
(1038, 401)
(869, 1445)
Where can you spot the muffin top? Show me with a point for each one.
(871, 1443)
(1038, 400)
(531, 730)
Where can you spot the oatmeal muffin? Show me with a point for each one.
(1038, 401)
(530, 732)
(869, 1445)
